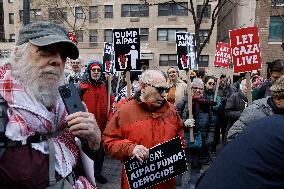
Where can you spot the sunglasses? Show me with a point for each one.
(159, 89)
(211, 83)
(96, 70)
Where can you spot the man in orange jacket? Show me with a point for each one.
(143, 122)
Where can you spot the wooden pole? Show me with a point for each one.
(189, 94)
(109, 93)
(248, 84)
(128, 83)
(217, 84)
(118, 83)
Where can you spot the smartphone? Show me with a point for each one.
(71, 98)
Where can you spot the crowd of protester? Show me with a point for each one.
(125, 123)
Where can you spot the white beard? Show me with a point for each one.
(37, 83)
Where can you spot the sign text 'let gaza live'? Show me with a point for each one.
(245, 49)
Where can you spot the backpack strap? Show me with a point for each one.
(3, 123)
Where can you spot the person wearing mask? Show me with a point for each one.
(38, 149)
(201, 123)
(178, 88)
(260, 108)
(93, 91)
(142, 123)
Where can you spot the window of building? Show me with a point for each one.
(11, 18)
(203, 61)
(173, 9)
(93, 38)
(79, 35)
(57, 14)
(35, 15)
(134, 10)
(78, 12)
(168, 60)
(108, 35)
(277, 3)
(203, 34)
(12, 38)
(207, 11)
(10, 1)
(144, 34)
(169, 34)
(275, 29)
(93, 12)
(108, 11)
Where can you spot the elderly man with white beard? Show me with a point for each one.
(39, 133)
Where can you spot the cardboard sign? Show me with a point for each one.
(165, 161)
(127, 49)
(223, 55)
(108, 57)
(186, 51)
(245, 49)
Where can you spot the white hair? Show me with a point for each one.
(197, 81)
(29, 76)
(150, 77)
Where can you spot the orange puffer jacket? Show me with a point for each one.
(132, 125)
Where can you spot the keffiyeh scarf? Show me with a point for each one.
(28, 116)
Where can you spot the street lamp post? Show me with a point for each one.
(26, 12)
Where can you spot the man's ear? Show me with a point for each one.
(143, 86)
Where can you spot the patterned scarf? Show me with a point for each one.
(28, 116)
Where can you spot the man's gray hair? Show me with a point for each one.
(197, 81)
(277, 89)
(148, 76)
(18, 53)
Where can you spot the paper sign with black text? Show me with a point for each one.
(165, 161)
(245, 49)
(186, 51)
(108, 57)
(223, 55)
(127, 49)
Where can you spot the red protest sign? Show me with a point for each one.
(245, 49)
(223, 55)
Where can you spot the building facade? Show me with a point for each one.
(266, 14)
(93, 21)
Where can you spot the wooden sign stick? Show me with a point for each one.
(217, 85)
(128, 83)
(189, 93)
(248, 85)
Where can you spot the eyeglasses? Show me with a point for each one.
(211, 83)
(159, 89)
(197, 88)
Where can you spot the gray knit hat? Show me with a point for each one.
(46, 33)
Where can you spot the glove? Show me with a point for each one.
(189, 123)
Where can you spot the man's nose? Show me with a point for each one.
(56, 59)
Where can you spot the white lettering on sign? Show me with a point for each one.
(244, 39)
(126, 37)
(185, 40)
(245, 50)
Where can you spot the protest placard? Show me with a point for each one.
(165, 161)
(222, 55)
(108, 57)
(186, 51)
(245, 49)
(127, 49)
